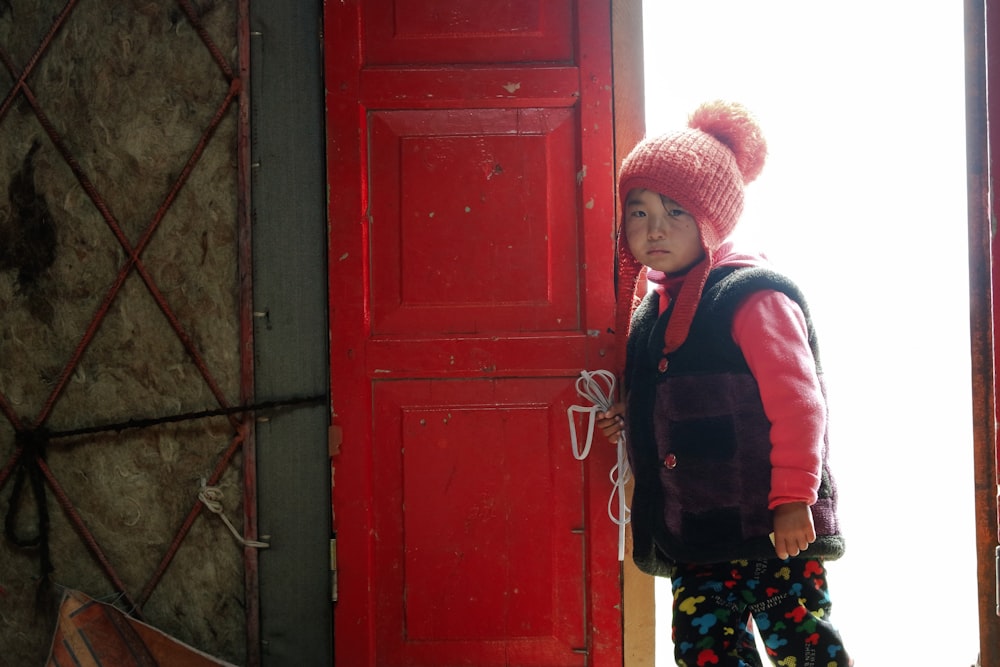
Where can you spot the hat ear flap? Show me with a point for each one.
(630, 274)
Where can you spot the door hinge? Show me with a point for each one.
(996, 579)
(333, 569)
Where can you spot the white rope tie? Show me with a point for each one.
(599, 388)
(212, 496)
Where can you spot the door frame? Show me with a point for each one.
(628, 72)
(288, 213)
(629, 127)
(982, 42)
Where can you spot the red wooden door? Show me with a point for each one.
(471, 212)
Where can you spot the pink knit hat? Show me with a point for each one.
(703, 168)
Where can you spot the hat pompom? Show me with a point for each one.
(733, 125)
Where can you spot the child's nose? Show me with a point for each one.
(657, 227)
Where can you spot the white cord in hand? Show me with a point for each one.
(599, 388)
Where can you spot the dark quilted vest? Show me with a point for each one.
(698, 437)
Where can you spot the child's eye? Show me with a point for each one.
(637, 214)
(675, 212)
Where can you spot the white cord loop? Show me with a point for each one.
(599, 388)
(211, 496)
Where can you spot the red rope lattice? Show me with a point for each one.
(20, 79)
(243, 437)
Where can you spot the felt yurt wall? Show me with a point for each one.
(121, 304)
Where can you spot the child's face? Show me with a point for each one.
(661, 234)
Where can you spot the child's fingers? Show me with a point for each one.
(611, 421)
(793, 544)
(611, 427)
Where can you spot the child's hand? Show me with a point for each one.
(793, 529)
(611, 422)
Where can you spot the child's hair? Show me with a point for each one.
(704, 168)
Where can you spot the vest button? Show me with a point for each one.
(670, 462)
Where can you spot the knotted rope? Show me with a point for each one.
(212, 496)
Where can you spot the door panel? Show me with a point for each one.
(479, 529)
(471, 176)
(475, 228)
(412, 32)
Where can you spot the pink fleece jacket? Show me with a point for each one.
(770, 330)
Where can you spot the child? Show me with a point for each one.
(723, 407)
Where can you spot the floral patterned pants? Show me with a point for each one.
(787, 599)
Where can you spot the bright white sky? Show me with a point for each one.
(863, 203)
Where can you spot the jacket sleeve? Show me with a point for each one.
(770, 329)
